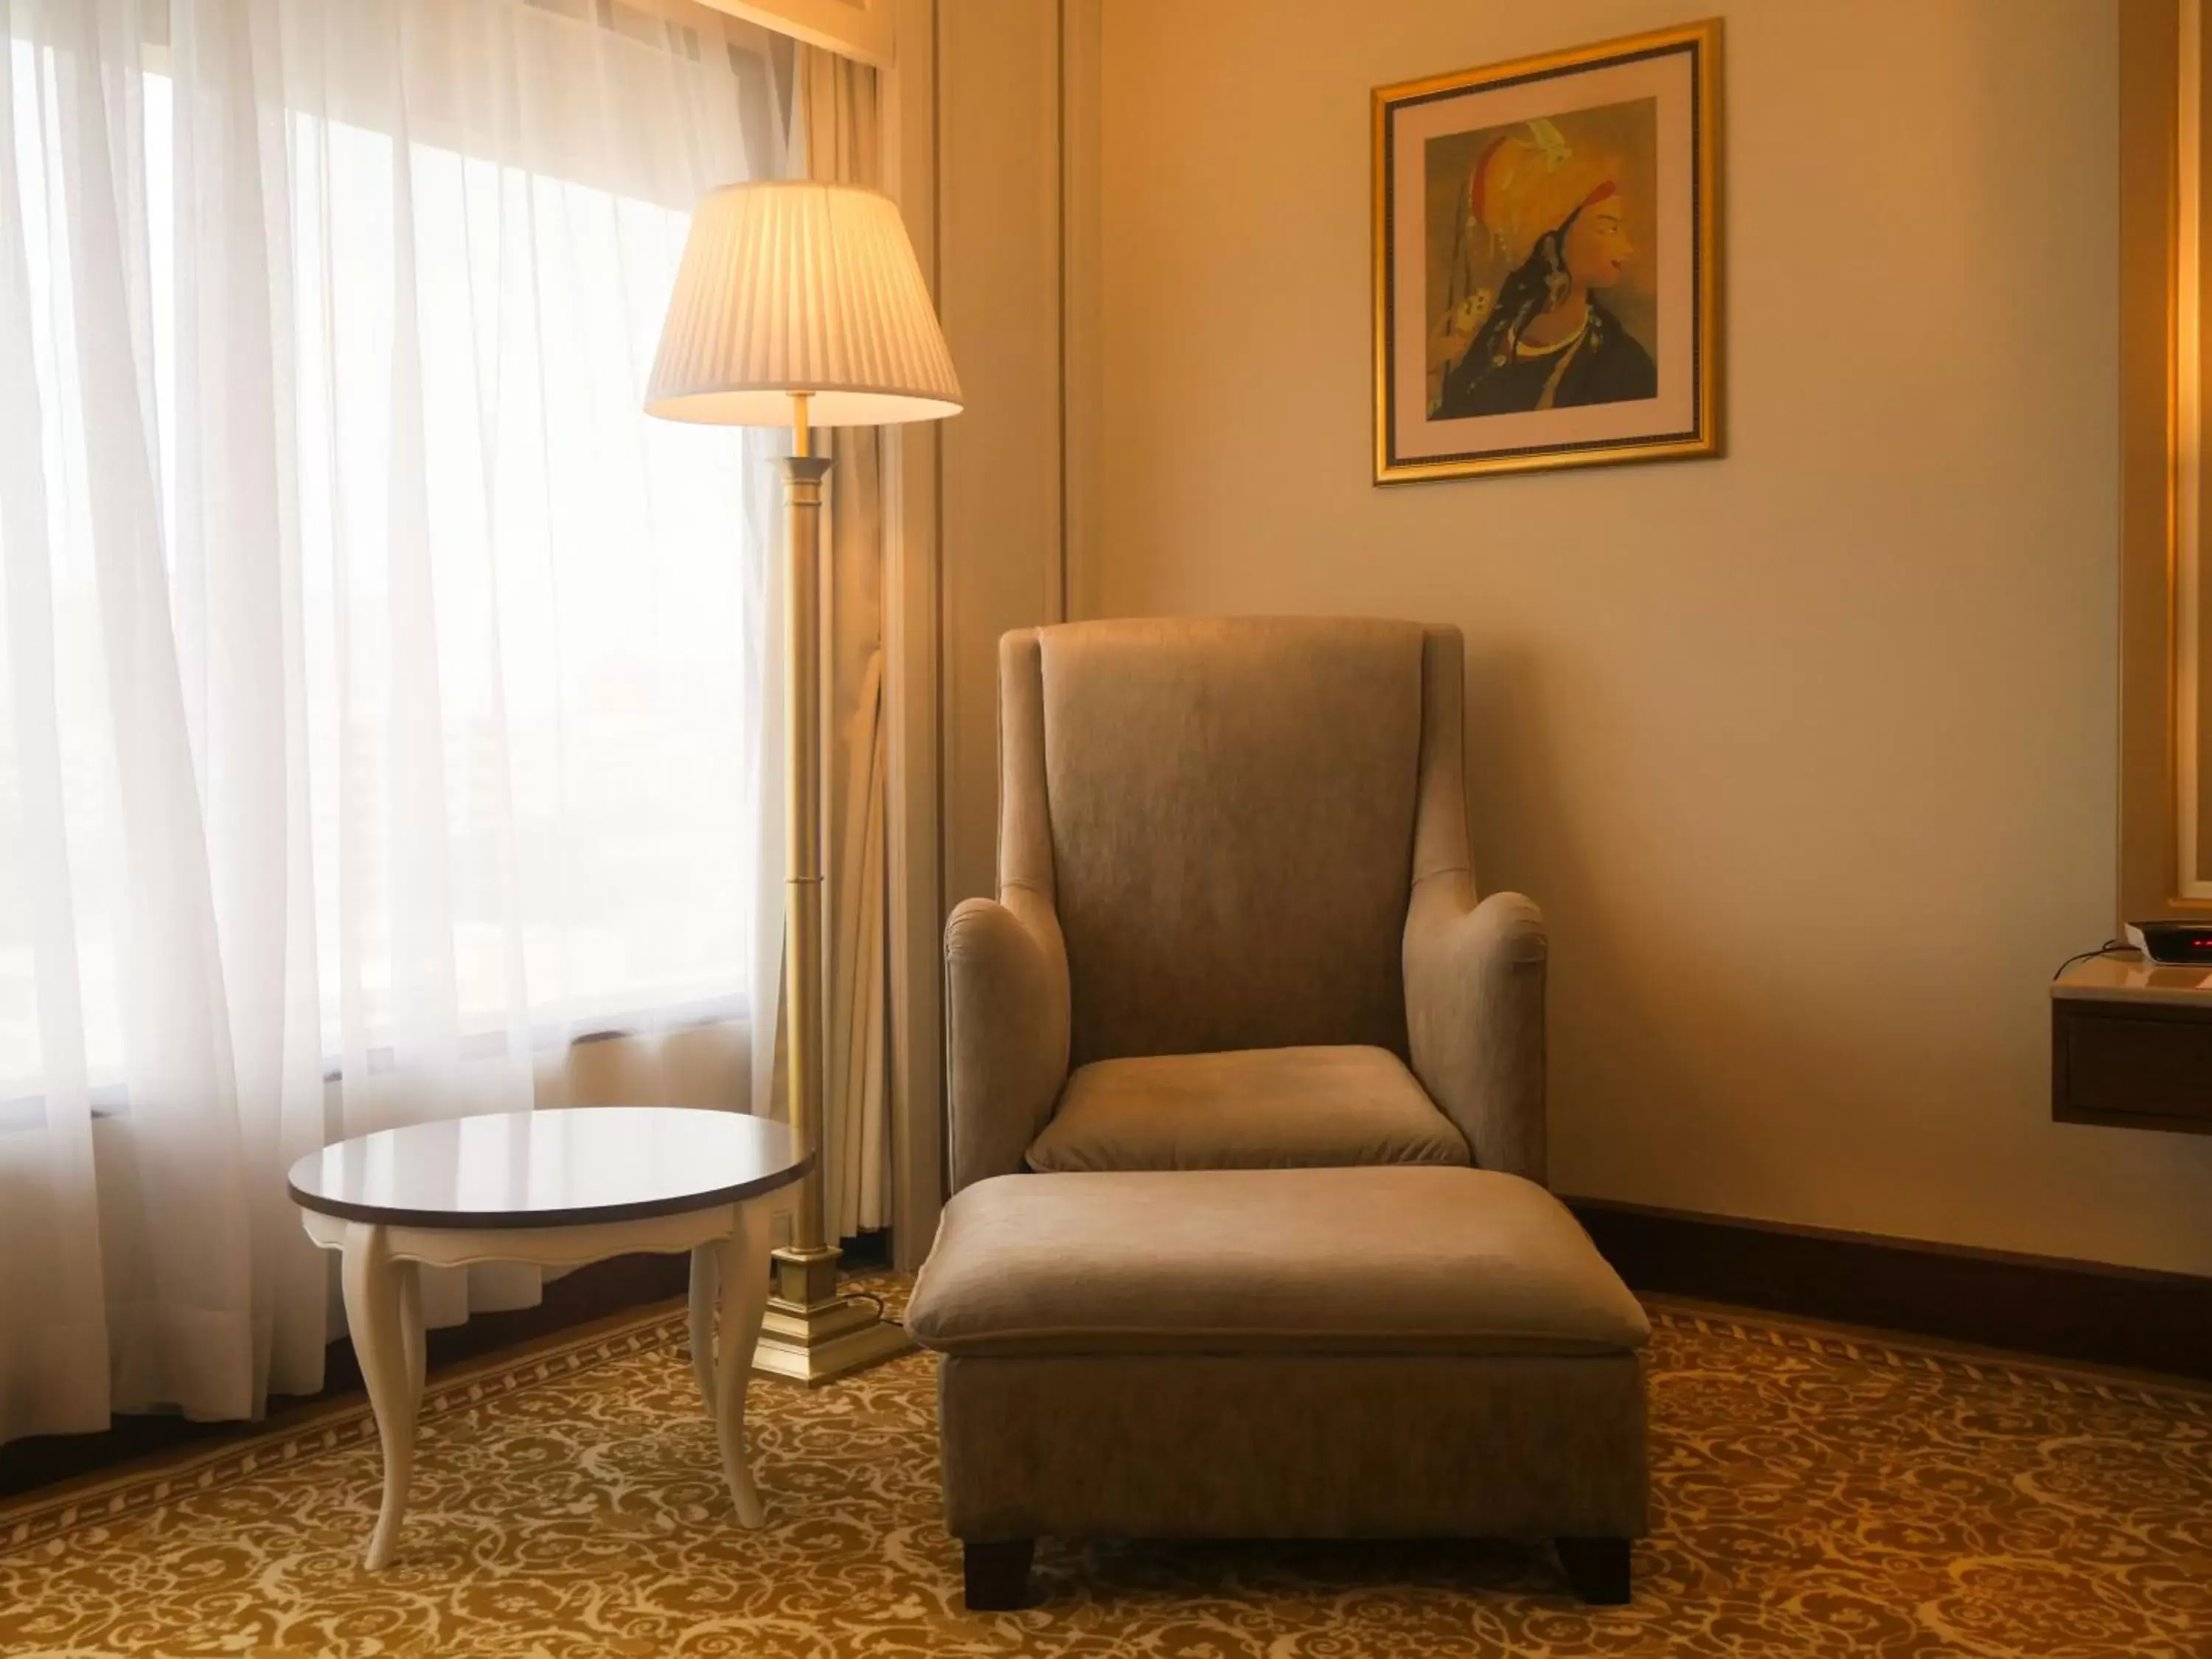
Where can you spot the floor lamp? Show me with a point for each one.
(801, 305)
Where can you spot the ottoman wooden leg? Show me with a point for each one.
(997, 1573)
(1597, 1568)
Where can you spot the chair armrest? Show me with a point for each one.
(1007, 1016)
(1474, 1016)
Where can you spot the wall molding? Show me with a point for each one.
(2053, 1306)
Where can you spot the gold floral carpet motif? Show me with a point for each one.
(1815, 1495)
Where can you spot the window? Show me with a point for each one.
(466, 649)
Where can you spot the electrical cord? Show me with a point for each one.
(882, 1312)
(2104, 950)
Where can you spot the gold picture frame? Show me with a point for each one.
(1546, 269)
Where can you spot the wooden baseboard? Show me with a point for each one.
(2066, 1310)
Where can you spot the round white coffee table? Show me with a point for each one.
(558, 1189)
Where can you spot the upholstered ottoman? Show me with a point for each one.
(1387, 1352)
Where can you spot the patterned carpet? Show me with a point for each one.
(1815, 1495)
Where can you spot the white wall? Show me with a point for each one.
(1808, 751)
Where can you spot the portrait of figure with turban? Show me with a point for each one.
(1543, 230)
(1545, 260)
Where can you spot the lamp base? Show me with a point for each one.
(812, 1334)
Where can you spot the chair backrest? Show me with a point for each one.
(1223, 814)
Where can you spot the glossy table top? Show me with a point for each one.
(570, 1167)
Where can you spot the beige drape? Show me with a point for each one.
(838, 139)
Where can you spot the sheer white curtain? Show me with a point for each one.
(385, 698)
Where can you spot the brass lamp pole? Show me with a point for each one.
(804, 302)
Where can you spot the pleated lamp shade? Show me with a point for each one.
(792, 287)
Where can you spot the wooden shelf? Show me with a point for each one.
(2132, 1045)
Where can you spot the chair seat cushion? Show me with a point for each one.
(1253, 1109)
(1394, 1261)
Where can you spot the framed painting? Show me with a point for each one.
(1545, 267)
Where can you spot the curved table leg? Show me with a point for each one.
(744, 1300)
(373, 1295)
(703, 1260)
(410, 1333)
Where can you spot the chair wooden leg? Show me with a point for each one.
(997, 1572)
(1597, 1568)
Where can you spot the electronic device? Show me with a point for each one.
(2176, 942)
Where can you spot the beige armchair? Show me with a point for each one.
(1237, 925)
